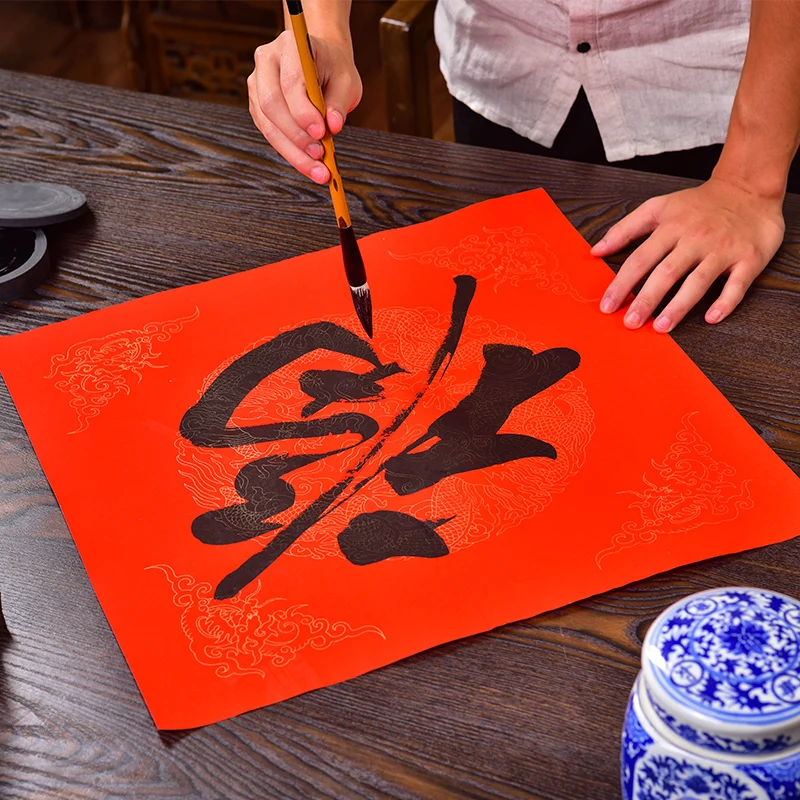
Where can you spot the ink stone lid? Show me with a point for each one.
(24, 205)
(721, 670)
(24, 262)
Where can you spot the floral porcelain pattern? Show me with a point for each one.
(655, 769)
(723, 744)
(733, 655)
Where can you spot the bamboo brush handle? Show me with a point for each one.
(315, 95)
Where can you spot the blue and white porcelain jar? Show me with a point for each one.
(715, 712)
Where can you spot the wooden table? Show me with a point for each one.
(183, 192)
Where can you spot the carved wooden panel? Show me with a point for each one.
(200, 50)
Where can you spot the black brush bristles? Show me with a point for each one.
(356, 277)
(362, 300)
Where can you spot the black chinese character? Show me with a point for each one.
(463, 439)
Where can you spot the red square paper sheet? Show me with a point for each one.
(267, 502)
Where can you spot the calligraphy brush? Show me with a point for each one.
(353, 263)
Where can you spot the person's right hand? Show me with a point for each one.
(280, 106)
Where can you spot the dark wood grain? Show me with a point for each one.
(182, 192)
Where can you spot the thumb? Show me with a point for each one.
(334, 118)
(342, 95)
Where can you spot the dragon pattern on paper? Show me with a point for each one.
(247, 634)
(93, 372)
(685, 490)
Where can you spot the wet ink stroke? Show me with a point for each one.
(463, 439)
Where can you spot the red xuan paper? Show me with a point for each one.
(267, 503)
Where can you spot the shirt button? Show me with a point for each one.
(584, 47)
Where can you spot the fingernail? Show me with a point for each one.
(607, 306)
(316, 131)
(319, 174)
(715, 315)
(662, 324)
(315, 150)
(338, 116)
(599, 245)
(633, 320)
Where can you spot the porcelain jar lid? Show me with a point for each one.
(722, 670)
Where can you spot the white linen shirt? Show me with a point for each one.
(659, 74)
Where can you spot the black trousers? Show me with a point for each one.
(579, 140)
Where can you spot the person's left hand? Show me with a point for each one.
(717, 228)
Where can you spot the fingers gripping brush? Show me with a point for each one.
(353, 263)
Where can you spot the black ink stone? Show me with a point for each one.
(24, 262)
(23, 205)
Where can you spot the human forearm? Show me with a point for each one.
(764, 131)
(328, 19)
(731, 225)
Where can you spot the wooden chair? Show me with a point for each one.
(406, 35)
